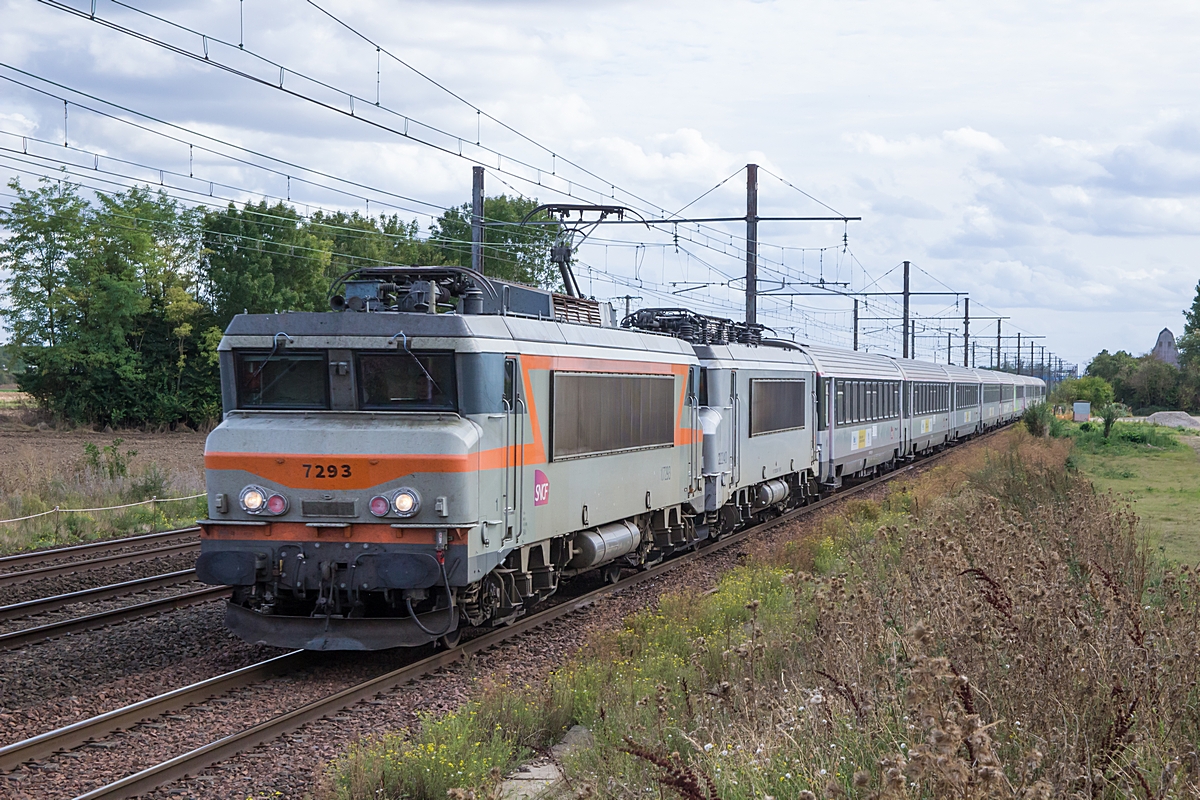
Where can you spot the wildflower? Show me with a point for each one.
(708, 747)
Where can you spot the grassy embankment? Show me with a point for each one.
(93, 475)
(1159, 469)
(993, 628)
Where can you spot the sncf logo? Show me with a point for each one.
(541, 488)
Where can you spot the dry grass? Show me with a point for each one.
(1009, 640)
(990, 629)
(41, 469)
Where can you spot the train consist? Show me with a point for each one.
(442, 449)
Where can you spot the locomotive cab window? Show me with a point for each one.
(406, 381)
(283, 381)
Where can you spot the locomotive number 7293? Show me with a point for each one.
(326, 471)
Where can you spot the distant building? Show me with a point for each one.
(1165, 349)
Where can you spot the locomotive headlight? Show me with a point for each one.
(406, 502)
(253, 499)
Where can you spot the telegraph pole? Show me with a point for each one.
(973, 362)
(856, 324)
(949, 347)
(751, 243)
(966, 327)
(997, 365)
(904, 331)
(477, 219)
(1018, 352)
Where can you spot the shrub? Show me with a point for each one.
(1037, 419)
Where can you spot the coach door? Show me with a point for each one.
(515, 412)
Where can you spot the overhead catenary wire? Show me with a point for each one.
(783, 274)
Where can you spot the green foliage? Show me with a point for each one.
(1090, 389)
(471, 748)
(1147, 384)
(1122, 438)
(263, 259)
(1189, 342)
(116, 305)
(1037, 419)
(359, 241)
(108, 460)
(511, 252)
(1110, 414)
(103, 309)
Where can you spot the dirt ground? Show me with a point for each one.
(28, 450)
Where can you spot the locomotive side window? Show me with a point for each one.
(406, 381)
(776, 405)
(282, 380)
(596, 413)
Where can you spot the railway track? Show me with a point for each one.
(191, 762)
(42, 605)
(41, 564)
(14, 640)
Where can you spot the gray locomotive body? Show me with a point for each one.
(448, 448)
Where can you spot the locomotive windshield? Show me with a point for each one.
(282, 380)
(406, 381)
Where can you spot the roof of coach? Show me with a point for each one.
(852, 364)
(922, 370)
(960, 374)
(988, 376)
(744, 355)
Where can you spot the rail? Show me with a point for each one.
(44, 604)
(136, 557)
(105, 546)
(28, 636)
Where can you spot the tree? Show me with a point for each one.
(262, 259)
(1114, 368)
(1189, 342)
(1090, 389)
(511, 252)
(359, 241)
(113, 337)
(1152, 384)
(46, 233)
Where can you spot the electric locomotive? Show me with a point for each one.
(384, 472)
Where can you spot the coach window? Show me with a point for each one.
(292, 380)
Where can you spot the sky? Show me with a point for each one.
(1041, 158)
